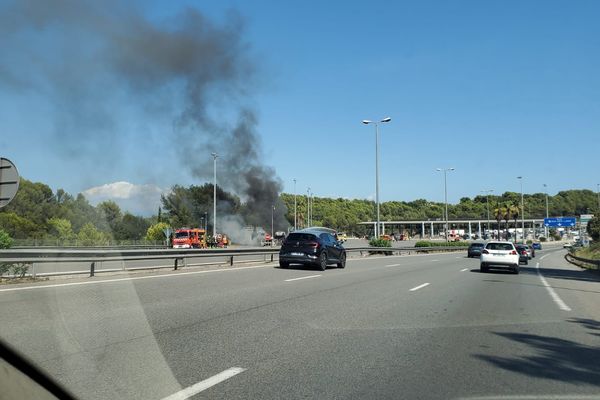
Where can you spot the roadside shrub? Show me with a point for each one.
(380, 243)
(19, 270)
(5, 240)
(529, 242)
(542, 239)
(4, 268)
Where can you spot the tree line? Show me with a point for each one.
(37, 212)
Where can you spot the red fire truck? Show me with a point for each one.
(187, 238)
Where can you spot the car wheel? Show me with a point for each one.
(342, 263)
(483, 267)
(526, 262)
(283, 264)
(323, 261)
(516, 269)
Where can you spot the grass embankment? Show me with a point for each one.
(592, 252)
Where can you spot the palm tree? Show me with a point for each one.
(499, 215)
(507, 217)
(515, 211)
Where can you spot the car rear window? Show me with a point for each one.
(301, 237)
(499, 246)
(476, 244)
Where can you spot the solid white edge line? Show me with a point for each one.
(464, 269)
(303, 277)
(419, 287)
(134, 278)
(205, 384)
(559, 302)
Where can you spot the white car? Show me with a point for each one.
(501, 255)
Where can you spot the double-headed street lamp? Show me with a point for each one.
(272, 224)
(308, 208)
(487, 195)
(367, 122)
(295, 208)
(520, 178)
(445, 195)
(545, 227)
(215, 155)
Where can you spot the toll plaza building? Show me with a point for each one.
(435, 229)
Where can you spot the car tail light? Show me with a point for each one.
(313, 244)
(514, 253)
(524, 252)
(485, 252)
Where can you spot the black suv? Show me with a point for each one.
(312, 247)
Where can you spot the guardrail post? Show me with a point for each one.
(92, 267)
(176, 260)
(33, 270)
(271, 257)
(231, 261)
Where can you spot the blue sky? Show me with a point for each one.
(494, 89)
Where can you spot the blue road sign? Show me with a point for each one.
(560, 222)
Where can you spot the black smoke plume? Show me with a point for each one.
(90, 58)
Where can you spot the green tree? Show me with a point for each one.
(19, 227)
(89, 235)
(593, 228)
(61, 229)
(155, 232)
(131, 227)
(111, 213)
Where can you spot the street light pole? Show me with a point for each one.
(598, 194)
(487, 192)
(272, 224)
(366, 122)
(520, 178)
(445, 195)
(545, 227)
(215, 155)
(295, 208)
(308, 208)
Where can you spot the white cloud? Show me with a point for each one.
(137, 199)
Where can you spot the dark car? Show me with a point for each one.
(523, 255)
(475, 249)
(536, 246)
(312, 247)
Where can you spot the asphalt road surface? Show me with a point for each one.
(413, 327)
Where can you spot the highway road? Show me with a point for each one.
(413, 327)
(61, 268)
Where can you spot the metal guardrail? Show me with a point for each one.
(179, 256)
(571, 258)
